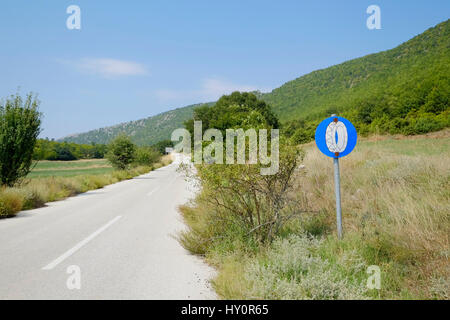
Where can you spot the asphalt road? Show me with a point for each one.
(113, 243)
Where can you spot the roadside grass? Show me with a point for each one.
(396, 200)
(57, 184)
(396, 215)
(164, 161)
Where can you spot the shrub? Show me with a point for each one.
(301, 136)
(146, 156)
(241, 203)
(425, 125)
(121, 152)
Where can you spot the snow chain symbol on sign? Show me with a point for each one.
(336, 136)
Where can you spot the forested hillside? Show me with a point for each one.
(404, 90)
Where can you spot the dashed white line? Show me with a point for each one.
(79, 245)
(152, 192)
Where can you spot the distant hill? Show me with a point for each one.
(402, 90)
(143, 132)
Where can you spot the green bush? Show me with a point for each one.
(121, 152)
(424, 125)
(146, 156)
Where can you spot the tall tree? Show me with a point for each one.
(237, 110)
(20, 123)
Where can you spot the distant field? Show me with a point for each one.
(70, 168)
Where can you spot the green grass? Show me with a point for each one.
(69, 173)
(70, 168)
(45, 164)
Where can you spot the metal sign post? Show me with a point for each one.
(337, 189)
(336, 137)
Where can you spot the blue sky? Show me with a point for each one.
(134, 59)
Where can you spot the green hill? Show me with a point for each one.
(403, 90)
(146, 131)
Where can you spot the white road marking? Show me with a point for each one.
(79, 245)
(153, 191)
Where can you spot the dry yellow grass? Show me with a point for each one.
(166, 159)
(406, 197)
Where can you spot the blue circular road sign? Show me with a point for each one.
(336, 137)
